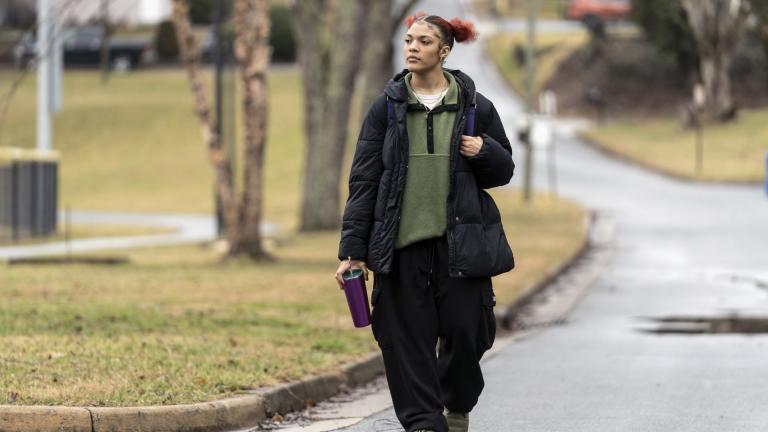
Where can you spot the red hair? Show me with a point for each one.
(456, 29)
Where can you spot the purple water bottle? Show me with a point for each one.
(357, 297)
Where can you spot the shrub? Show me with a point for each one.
(165, 41)
(282, 36)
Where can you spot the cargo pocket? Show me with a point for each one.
(488, 327)
(376, 313)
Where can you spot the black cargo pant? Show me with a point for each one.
(417, 304)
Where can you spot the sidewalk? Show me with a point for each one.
(189, 229)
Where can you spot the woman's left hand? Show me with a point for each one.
(470, 145)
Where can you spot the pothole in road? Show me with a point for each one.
(732, 324)
(745, 279)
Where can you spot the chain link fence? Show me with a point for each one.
(28, 194)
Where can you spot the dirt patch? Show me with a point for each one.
(634, 80)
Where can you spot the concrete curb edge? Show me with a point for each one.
(243, 411)
(506, 314)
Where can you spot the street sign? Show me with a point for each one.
(542, 133)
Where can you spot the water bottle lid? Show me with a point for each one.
(352, 273)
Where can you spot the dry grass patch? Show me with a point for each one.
(548, 9)
(176, 325)
(551, 49)
(732, 152)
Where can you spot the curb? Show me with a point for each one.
(597, 145)
(249, 408)
(505, 314)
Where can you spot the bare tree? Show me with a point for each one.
(330, 36)
(242, 213)
(386, 17)
(717, 26)
(760, 12)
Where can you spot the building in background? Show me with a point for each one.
(129, 12)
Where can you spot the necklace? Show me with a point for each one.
(447, 84)
(431, 99)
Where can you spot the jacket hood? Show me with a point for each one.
(397, 90)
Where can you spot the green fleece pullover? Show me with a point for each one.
(423, 213)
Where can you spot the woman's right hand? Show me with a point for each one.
(346, 265)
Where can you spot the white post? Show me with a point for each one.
(43, 75)
(57, 66)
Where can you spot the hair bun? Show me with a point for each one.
(463, 30)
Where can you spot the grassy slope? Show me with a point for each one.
(134, 145)
(548, 9)
(732, 152)
(175, 325)
(552, 48)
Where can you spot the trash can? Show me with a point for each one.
(28, 193)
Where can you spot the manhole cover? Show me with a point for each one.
(731, 324)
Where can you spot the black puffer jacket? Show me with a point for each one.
(477, 245)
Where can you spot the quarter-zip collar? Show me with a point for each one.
(397, 91)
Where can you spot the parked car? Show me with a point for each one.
(82, 47)
(591, 12)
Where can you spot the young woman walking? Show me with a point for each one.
(418, 217)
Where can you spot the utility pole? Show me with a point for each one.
(43, 194)
(56, 65)
(104, 52)
(44, 75)
(530, 66)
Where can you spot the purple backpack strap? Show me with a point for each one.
(390, 111)
(471, 116)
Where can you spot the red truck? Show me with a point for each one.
(593, 11)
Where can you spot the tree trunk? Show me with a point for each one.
(242, 217)
(329, 79)
(378, 57)
(252, 52)
(717, 28)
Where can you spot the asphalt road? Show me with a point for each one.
(680, 249)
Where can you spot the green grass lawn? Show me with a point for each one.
(548, 9)
(732, 152)
(176, 325)
(134, 144)
(551, 49)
